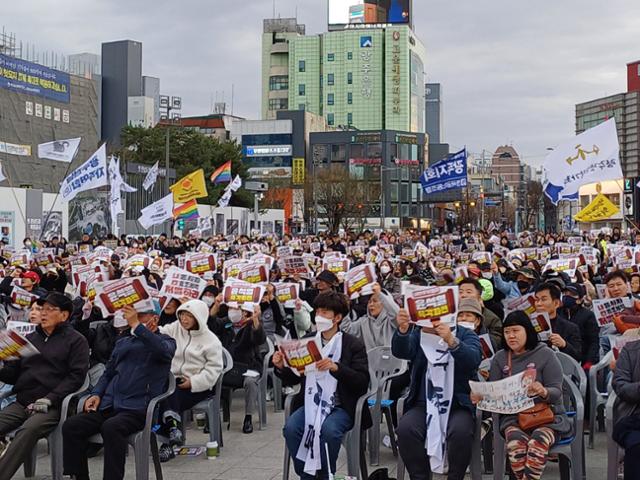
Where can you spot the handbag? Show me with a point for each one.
(537, 416)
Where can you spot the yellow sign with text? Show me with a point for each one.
(601, 208)
(297, 174)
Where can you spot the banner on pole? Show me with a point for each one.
(446, 174)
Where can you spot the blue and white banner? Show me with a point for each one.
(446, 174)
(32, 79)
(592, 156)
(91, 174)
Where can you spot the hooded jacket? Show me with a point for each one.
(198, 352)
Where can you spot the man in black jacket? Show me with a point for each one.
(565, 336)
(41, 381)
(585, 320)
(351, 371)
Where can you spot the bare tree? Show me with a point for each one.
(534, 203)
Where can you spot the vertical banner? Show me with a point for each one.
(7, 227)
(33, 213)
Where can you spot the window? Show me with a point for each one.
(330, 79)
(614, 198)
(278, 104)
(349, 118)
(330, 99)
(330, 119)
(302, 90)
(302, 106)
(584, 201)
(302, 66)
(349, 98)
(331, 57)
(350, 78)
(279, 82)
(350, 56)
(339, 153)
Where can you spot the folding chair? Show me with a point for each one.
(597, 398)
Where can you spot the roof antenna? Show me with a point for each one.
(274, 9)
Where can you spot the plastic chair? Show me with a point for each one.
(569, 450)
(211, 406)
(383, 367)
(354, 441)
(615, 454)
(146, 440)
(54, 439)
(597, 398)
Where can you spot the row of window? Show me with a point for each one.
(331, 118)
(302, 91)
(302, 64)
(279, 82)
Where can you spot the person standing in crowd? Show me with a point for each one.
(528, 450)
(137, 371)
(340, 379)
(40, 382)
(463, 346)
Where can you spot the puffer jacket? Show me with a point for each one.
(198, 352)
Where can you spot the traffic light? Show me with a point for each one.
(181, 224)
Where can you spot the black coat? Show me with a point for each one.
(59, 369)
(585, 320)
(570, 333)
(244, 346)
(352, 376)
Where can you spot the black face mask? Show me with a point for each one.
(523, 285)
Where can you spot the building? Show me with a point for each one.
(434, 112)
(121, 79)
(369, 77)
(141, 111)
(506, 165)
(151, 89)
(84, 64)
(215, 125)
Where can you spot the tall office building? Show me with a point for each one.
(151, 89)
(433, 112)
(505, 165)
(121, 79)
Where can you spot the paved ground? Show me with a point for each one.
(259, 456)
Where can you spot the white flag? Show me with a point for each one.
(224, 200)
(61, 150)
(157, 212)
(592, 156)
(91, 174)
(235, 185)
(2, 177)
(151, 177)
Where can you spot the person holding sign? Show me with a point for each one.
(527, 449)
(41, 381)
(324, 409)
(136, 372)
(415, 428)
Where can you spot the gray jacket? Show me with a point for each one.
(626, 380)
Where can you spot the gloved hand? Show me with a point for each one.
(41, 405)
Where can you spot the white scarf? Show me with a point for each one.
(439, 393)
(319, 400)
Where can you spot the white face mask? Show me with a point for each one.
(385, 269)
(235, 316)
(487, 275)
(469, 325)
(209, 300)
(323, 324)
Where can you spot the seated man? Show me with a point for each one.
(340, 379)
(472, 288)
(136, 372)
(41, 381)
(425, 408)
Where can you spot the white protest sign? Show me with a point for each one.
(507, 396)
(180, 283)
(359, 280)
(13, 346)
(91, 174)
(606, 308)
(426, 304)
(23, 328)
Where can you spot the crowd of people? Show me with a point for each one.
(519, 299)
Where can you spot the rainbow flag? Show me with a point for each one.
(222, 174)
(186, 211)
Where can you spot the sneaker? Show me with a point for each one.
(166, 453)
(247, 426)
(175, 436)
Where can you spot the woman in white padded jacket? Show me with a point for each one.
(197, 365)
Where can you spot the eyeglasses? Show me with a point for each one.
(50, 309)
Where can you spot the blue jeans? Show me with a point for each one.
(334, 428)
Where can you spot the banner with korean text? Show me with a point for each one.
(446, 174)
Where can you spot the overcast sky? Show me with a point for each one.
(511, 71)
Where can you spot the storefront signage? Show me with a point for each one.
(269, 150)
(395, 70)
(366, 138)
(365, 161)
(367, 82)
(405, 138)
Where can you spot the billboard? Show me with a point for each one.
(33, 79)
(354, 12)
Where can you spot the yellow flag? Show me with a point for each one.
(190, 187)
(601, 208)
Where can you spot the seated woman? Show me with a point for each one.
(424, 443)
(626, 429)
(197, 364)
(340, 378)
(528, 450)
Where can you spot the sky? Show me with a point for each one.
(511, 71)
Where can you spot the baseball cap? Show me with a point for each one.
(58, 300)
(327, 276)
(33, 276)
(575, 289)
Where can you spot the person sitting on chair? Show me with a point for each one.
(136, 372)
(324, 410)
(41, 381)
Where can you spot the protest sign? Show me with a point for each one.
(287, 293)
(295, 265)
(23, 328)
(300, 355)
(200, 263)
(19, 260)
(527, 304)
(138, 261)
(236, 293)
(22, 299)
(567, 265)
(254, 273)
(607, 308)
(542, 324)
(116, 294)
(360, 280)
(426, 304)
(336, 264)
(232, 268)
(180, 283)
(284, 251)
(91, 174)
(13, 345)
(507, 396)
(487, 346)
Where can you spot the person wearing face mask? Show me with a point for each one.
(339, 380)
(585, 320)
(168, 314)
(209, 295)
(387, 280)
(470, 317)
(525, 281)
(272, 314)
(242, 334)
(197, 365)
(472, 289)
